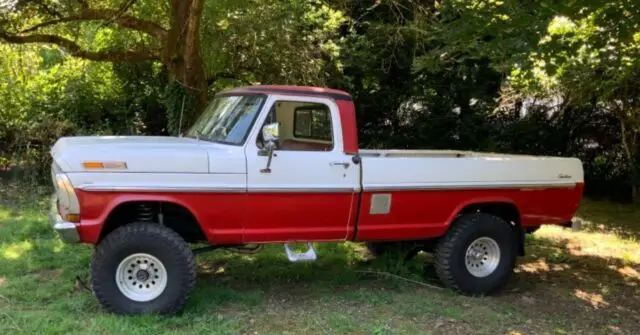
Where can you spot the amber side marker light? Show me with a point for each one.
(75, 218)
(92, 165)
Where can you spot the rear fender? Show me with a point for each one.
(518, 231)
(476, 202)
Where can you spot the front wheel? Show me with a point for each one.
(477, 255)
(143, 268)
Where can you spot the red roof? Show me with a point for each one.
(291, 90)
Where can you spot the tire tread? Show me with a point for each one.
(445, 247)
(126, 234)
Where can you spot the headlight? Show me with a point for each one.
(67, 200)
(63, 183)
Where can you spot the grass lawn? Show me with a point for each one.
(569, 282)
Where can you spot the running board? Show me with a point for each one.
(307, 256)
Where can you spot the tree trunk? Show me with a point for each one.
(630, 146)
(182, 55)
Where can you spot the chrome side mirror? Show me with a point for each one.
(270, 135)
(271, 132)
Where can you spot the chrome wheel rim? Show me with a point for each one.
(141, 277)
(482, 257)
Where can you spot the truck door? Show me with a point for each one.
(309, 191)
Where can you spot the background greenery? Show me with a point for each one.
(537, 77)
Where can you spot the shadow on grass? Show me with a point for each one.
(588, 291)
(605, 216)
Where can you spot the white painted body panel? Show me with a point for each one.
(149, 154)
(160, 182)
(436, 169)
(305, 170)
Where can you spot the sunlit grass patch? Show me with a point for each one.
(5, 214)
(594, 299)
(608, 217)
(16, 250)
(605, 245)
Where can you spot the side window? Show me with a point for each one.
(304, 126)
(312, 122)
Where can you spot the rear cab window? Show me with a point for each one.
(312, 122)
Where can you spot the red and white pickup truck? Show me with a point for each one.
(281, 164)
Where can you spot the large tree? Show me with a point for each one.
(165, 32)
(201, 45)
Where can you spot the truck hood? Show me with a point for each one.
(140, 153)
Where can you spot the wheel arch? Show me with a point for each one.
(504, 208)
(167, 211)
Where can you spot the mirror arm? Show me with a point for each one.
(271, 134)
(269, 153)
(263, 151)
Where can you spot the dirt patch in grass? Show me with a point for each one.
(51, 274)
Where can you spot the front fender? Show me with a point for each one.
(95, 208)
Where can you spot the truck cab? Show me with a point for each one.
(281, 164)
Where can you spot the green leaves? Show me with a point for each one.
(269, 41)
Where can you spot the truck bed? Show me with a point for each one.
(444, 169)
(417, 194)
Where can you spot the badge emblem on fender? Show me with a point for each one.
(380, 204)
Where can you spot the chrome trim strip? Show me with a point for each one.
(193, 189)
(179, 189)
(170, 189)
(437, 187)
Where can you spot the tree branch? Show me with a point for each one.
(123, 9)
(76, 51)
(83, 3)
(225, 75)
(126, 21)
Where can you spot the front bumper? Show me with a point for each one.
(66, 230)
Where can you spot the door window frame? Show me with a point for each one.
(251, 144)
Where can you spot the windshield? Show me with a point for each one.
(228, 119)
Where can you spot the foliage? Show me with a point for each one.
(44, 95)
(536, 77)
(253, 41)
(592, 59)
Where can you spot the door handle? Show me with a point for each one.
(344, 164)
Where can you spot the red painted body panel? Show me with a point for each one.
(281, 217)
(348, 121)
(235, 218)
(288, 89)
(221, 215)
(428, 214)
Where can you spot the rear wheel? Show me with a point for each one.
(477, 255)
(143, 268)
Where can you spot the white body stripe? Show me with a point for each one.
(473, 171)
(160, 182)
